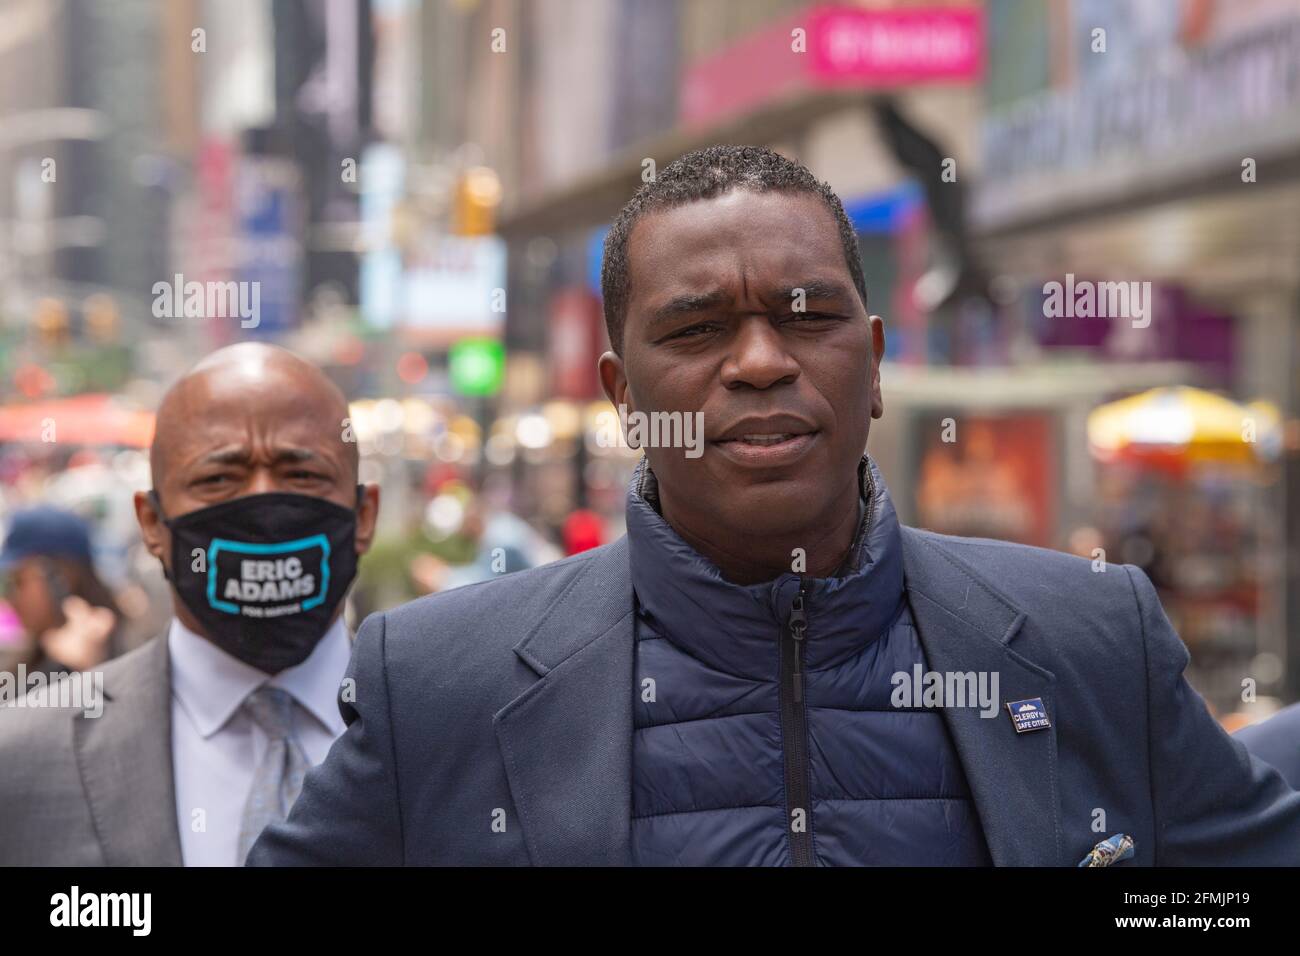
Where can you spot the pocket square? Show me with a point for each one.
(1109, 851)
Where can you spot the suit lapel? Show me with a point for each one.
(124, 757)
(567, 740)
(964, 624)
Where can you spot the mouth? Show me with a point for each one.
(764, 439)
(767, 449)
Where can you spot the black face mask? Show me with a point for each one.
(264, 573)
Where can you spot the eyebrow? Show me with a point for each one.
(688, 303)
(240, 456)
(812, 289)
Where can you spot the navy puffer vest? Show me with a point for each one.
(766, 746)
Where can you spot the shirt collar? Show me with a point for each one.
(211, 684)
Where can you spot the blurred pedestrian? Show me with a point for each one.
(504, 543)
(258, 519)
(583, 530)
(69, 616)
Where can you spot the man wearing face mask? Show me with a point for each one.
(205, 735)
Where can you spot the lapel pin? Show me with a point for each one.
(1109, 851)
(1027, 715)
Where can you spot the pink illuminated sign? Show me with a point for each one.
(883, 47)
(841, 47)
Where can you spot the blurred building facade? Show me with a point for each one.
(1160, 141)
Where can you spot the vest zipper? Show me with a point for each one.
(794, 731)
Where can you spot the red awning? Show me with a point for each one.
(93, 419)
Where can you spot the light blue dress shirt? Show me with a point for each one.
(216, 747)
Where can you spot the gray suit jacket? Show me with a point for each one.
(77, 790)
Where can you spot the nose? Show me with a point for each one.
(262, 480)
(758, 356)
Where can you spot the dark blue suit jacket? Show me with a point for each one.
(492, 724)
(1276, 741)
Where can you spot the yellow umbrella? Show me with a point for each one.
(1181, 425)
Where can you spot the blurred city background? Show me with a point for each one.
(422, 187)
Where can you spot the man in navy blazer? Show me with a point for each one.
(769, 669)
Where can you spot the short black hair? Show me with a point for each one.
(703, 174)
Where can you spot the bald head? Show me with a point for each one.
(247, 418)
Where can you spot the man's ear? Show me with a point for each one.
(613, 379)
(155, 534)
(367, 517)
(877, 352)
